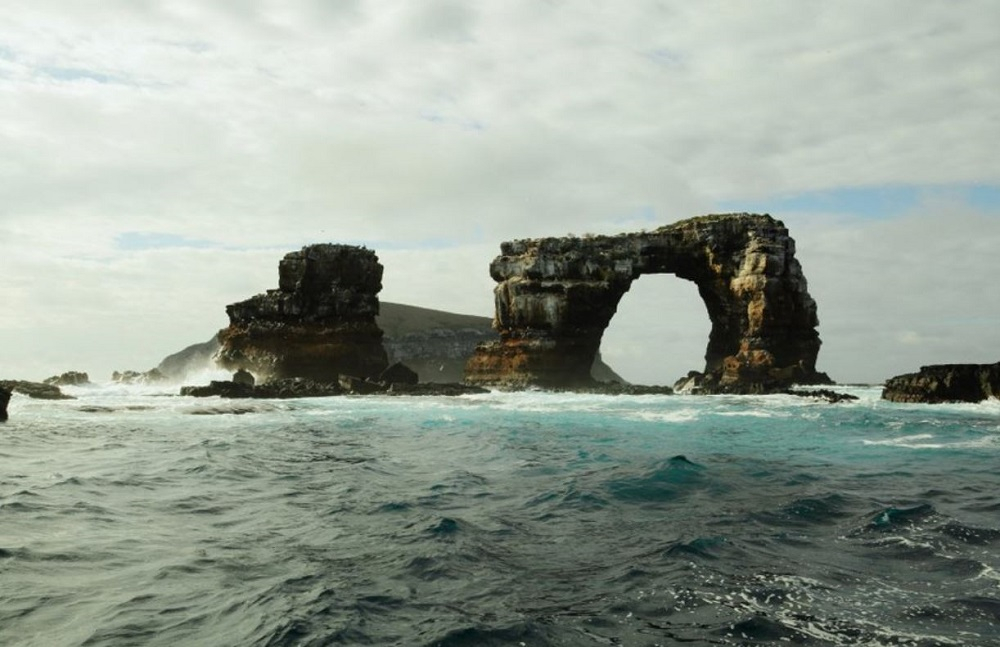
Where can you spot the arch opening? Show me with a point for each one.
(556, 296)
(659, 331)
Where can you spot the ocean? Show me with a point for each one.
(133, 516)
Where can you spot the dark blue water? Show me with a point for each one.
(136, 518)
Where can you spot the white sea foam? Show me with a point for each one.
(676, 416)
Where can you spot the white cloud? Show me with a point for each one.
(265, 125)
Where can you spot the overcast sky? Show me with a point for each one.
(158, 158)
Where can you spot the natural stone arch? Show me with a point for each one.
(556, 296)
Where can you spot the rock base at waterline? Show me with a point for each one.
(304, 388)
(945, 383)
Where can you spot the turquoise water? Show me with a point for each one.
(136, 517)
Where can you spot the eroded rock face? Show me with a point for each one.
(318, 324)
(945, 383)
(556, 296)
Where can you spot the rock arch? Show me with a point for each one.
(556, 296)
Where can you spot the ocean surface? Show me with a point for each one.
(132, 516)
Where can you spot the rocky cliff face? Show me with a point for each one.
(555, 297)
(945, 383)
(318, 324)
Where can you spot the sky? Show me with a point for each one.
(160, 157)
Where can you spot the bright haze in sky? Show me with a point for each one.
(159, 158)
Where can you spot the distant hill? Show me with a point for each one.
(434, 343)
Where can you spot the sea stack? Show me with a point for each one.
(318, 324)
(556, 296)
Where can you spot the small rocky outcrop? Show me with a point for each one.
(38, 390)
(304, 388)
(245, 377)
(69, 378)
(318, 324)
(556, 296)
(830, 396)
(280, 388)
(398, 373)
(945, 383)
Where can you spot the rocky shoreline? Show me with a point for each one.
(305, 388)
(941, 383)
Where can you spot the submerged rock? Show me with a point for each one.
(318, 324)
(945, 383)
(556, 296)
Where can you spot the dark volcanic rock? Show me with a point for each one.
(318, 324)
(244, 376)
(35, 389)
(945, 383)
(618, 388)
(5, 394)
(555, 297)
(357, 386)
(823, 394)
(70, 378)
(303, 388)
(282, 388)
(221, 388)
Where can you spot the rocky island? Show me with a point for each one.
(556, 296)
(318, 324)
(316, 335)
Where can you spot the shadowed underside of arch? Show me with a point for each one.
(556, 296)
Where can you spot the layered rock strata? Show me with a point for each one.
(945, 383)
(556, 296)
(318, 324)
